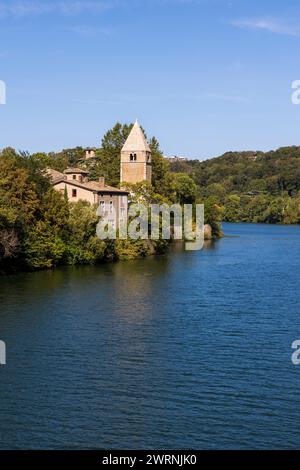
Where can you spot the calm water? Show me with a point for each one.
(191, 350)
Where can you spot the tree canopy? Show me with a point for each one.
(252, 186)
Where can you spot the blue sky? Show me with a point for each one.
(203, 76)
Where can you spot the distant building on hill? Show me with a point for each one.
(90, 153)
(176, 159)
(253, 156)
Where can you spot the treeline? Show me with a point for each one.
(40, 228)
(251, 186)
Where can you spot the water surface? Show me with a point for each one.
(189, 350)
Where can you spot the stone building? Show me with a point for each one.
(90, 153)
(136, 163)
(74, 182)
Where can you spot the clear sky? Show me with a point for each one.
(203, 76)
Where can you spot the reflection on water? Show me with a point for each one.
(189, 350)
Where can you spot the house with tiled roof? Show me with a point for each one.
(136, 166)
(75, 184)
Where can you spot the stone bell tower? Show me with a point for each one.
(136, 163)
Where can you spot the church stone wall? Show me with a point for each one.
(136, 171)
(133, 172)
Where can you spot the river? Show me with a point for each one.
(188, 350)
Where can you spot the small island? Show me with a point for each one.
(48, 201)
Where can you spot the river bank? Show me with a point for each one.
(117, 250)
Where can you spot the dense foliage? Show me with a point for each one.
(39, 228)
(251, 186)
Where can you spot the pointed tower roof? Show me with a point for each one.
(136, 141)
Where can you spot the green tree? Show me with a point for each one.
(217, 190)
(185, 189)
(43, 248)
(161, 176)
(108, 157)
(232, 209)
(83, 245)
(213, 215)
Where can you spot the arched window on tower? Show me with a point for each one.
(133, 157)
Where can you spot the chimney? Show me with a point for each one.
(89, 153)
(102, 181)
